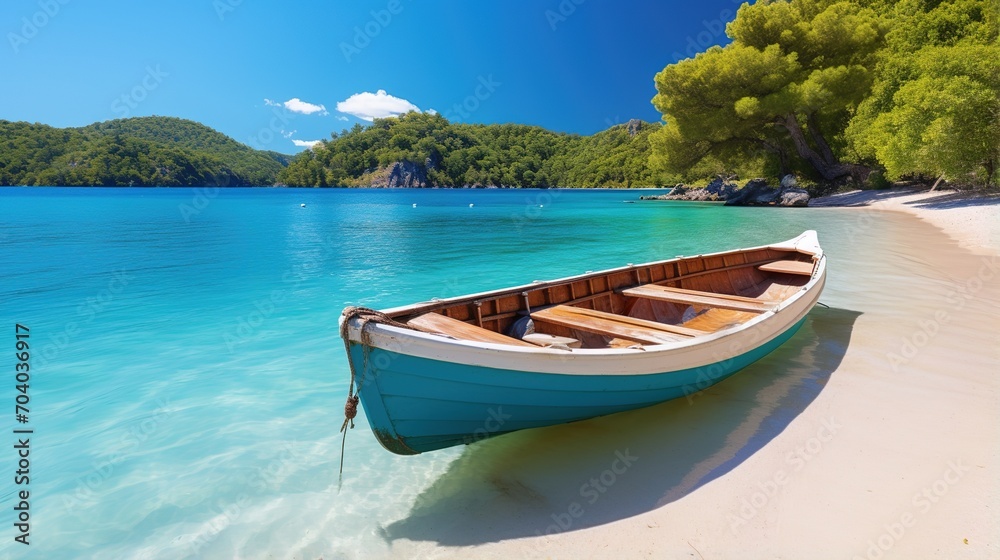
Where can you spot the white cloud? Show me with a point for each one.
(288, 134)
(306, 143)
(370, 106)
(342, 118)
(296, 105)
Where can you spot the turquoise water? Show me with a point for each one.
(187, 377)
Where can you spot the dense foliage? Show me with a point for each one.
(142, 151)
(836, 88)
(454, 154)
(934, 108)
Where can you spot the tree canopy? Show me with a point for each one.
(934, 108)
(835, 88)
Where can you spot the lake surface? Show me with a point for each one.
(188, 380)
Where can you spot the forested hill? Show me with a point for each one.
(141, 151)
(413, 150)
(426, 150)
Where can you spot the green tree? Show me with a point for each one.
(784, 88)
(934, 109)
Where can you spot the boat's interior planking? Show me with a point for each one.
(646, 304)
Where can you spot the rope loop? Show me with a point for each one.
(366, 316)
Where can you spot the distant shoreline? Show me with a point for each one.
(338, 188)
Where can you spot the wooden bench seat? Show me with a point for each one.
(546, 340)
(435, 323)
(704, 299)
(788, 267)
(610, 324)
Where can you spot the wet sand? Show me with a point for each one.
(971, 219)
(873, 433)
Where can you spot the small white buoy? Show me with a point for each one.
(302, 205)
(414, 204)
(471, 205)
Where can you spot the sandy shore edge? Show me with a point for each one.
(971, 219)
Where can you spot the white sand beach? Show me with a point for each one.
(972, 220)
(874, 433)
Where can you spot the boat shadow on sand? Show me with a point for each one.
(570, 477)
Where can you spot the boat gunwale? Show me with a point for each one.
(435, 304)
(691, 344)
(680, 345)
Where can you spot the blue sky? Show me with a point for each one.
(276, 75)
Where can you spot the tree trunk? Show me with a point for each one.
(829, 170)
(820, 140)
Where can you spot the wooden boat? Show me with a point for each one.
(445, 372)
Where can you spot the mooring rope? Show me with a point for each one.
(366, 316)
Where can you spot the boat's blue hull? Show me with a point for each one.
(418, 404)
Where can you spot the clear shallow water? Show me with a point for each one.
(188, 380)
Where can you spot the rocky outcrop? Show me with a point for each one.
(717, 190)
(634, 126)
(794, 197)
(756, 192)
(400, 175)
